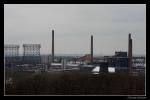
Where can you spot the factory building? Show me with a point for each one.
(46, 59)
(120, 59)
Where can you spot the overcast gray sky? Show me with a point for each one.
(73, 24)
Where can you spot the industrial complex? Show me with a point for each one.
(32, 60)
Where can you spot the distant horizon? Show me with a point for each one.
(85, 54)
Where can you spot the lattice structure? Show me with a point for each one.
(11, 54)
(31, 49)
(31, 53)
(11, 50)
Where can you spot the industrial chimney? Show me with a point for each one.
(52, 45)
(91, 49)
(130, 52)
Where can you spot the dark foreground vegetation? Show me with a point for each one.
(75, 84)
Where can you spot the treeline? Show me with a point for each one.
(77, 84)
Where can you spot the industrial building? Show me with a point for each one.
(46, 59)
(120, 59)
(31, 53)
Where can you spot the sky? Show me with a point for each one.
(74, 24)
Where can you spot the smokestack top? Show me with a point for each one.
(129, 35)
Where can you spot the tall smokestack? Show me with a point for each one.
(52, 45)
(91, 49)
(130, 52)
